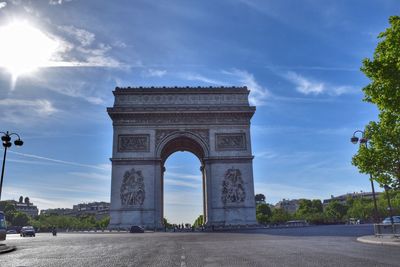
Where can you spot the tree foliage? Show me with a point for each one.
(310, 210)
(382, 158)
(260, 198)
(263, 213)
(199, 221)
(335, 212)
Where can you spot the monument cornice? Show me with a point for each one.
(184, 108)
(180, 89)
(228, 159)
(184, 118)
(135, 160)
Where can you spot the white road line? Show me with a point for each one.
(183, 263)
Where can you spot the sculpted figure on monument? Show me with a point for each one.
(132, 188)
(232, 187)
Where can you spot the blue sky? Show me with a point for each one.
(300, 59)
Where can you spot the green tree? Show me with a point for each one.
(20, 219)
(260, 198)
(310, 210)
(360, 208)
(280, 216)
(199, 221)
(103, 223)
(263, 213)
(382, 158)
(335, 212)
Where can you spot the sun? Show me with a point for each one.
(24, 48)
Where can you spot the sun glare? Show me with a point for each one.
(24, 48)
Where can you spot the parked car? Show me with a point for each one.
(396, 219)
(3, 226)
(27, 231)
(11, 231)
(136, 229)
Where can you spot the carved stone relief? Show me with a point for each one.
(230, 141)
(134, 143)
(132, 189)
(179, 99)
(202, 133)
(233, 188)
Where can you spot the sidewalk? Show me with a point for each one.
(4, 248)
(386, 240)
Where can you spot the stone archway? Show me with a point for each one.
(152, 123)
(183, 141)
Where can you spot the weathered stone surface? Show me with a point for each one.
(137, 143)
(152, 123)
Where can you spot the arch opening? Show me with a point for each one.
(182, 185)
(183, 195)
(182, 143)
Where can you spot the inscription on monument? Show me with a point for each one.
(132, 189)
(133, 143)
(232, 187)
(231, 141)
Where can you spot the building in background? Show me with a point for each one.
(25, 206)
(98, 209)
(290, 206)
(343, 198)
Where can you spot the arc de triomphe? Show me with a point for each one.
(152, 123)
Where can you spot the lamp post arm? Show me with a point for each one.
(358, 131)
(14, 134)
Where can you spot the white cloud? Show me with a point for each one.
(92, 175)
(181, 183)
(3, 4)
(99, 167)
(84, 37)
(200, 78)
(154, 73)
(78, 48)
(183, 176)
(258, 94)
(310, 86)
(21, 108)
(305, 86)
(58, 2)
(265, 155)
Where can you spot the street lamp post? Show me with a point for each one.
(6, 139)
(363, 140)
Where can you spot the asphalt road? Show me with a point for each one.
(310, 246)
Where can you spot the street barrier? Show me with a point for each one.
(381, 229)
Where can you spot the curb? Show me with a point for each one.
(370, 239)
(5, 248)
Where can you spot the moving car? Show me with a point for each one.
(27, 231)
(3, 226)
(396, 219)
(136, 229)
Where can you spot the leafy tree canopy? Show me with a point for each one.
(260, 198)
(382, 157)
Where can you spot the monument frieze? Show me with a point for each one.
(230, 141)
(134, 143)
